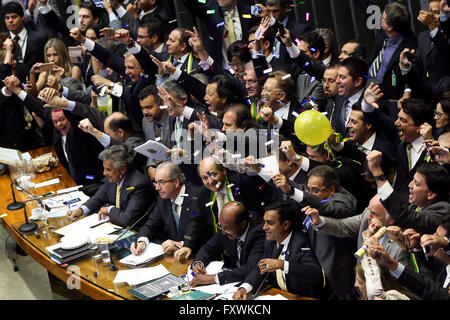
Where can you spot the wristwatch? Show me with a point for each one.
(381, 177)
(292, 191)
(297, 157)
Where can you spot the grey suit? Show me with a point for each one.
(307, 86)
(354, 226)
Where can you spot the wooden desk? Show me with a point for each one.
(82, 271)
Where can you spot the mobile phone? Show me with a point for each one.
(98, 4)
(71, 201)
(279, 28)
(307, 222)
(254, 10)
(411, 57)
(75, 54)
(46, 67)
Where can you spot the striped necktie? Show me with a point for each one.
(377, 62)
(175, 214)
(279, 273)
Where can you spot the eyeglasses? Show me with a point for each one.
(315, 190)
(438, 114)
(225, 229)
(163, 183)
(250, 82)
(329, 80)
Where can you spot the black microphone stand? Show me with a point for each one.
(113, 265)
(15, 205)
(27, 226)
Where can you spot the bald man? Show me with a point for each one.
(221, 186)
(240, 242)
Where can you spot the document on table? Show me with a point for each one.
(82, 225)
(153, 149)
(151, 252)
(137, 276)
(269, 297)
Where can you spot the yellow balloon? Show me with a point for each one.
(312, 127)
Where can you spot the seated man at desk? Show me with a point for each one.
(240, 242)
(288, 259)
(125, 196)
(170, 223)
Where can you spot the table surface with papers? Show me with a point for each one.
(95, 280)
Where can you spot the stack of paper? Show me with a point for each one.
(269, 297)
(152, 251)
(137, 276)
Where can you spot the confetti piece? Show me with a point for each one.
(3, 215)
(210, 11)
(298, 41)
(230, 185)
(285, 77)
(220, 24)
(267, 70)
(236, 155)
(202, 1)
(231, 70)
(184, 195)
(163, 107)
(268, 143)
(313, 50)
(258, 33)
(243, 46)
(307, 16)
(211, 38)
(306, 64)
(249, 102)
(218, 184)
(295, 114)
(312, 79)
(196, 153)
(172, 21)
(247, 16)
(157, 138)
(225, 35)
(324, 113)
(209, 204)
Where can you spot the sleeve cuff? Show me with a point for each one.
(433, 32)
(298, 195)
(112, 17)
(89, 44)
(206, 64)
(85, 209)
(109, 208)
(176, 75)
(70, 105)
(135, 49)
(6, 92)
(320, 225)
(293, 51)
(22, 95)
(105, 140)
(144, 239)
(366, 107)
(247, 286)
(45, 9)
(279, 124)
(398, 272)
(65, 92)
(305, 164)
(385, 191)
(121, 11)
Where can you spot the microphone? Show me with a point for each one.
(260, 286)
(15, 205)
(27, 226)
(113, 266)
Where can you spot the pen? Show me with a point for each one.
(177, 246)
(193, 274)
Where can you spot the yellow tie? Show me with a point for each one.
(230, 26)
(280, 280)
(408, 153)
(118, 195)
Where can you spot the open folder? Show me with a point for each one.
(152, 251)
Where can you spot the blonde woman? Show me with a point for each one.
(55, 52)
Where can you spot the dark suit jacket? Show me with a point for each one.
(161, 226)
(82, 148)
(390, 90)
(130, 90)
(335, 115)
(423, 286)
(136, 195)
(305, 275)
(424, 221)
(296, 29)
(252, 252)
(244, 189)
(35, 48)
(212, 39)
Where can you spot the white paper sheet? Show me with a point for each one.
(153, 149)
(269, 297)
(136, 276)
(270, 167)
(152, 251)
(82, 225)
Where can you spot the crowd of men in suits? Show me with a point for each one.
(237, 183)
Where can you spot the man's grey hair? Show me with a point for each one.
(119, 155)
(174, 89)
(173, 171)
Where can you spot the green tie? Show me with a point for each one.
(175, 214)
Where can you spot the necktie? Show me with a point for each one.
(175, 214)
(118, 195)
(19, 51)
(408, 153)
(240, 249)
(280, 279)
(377, 62)
(157, 126)
(229, 26)
(179, 126)
(362, 149)
(344, 112)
